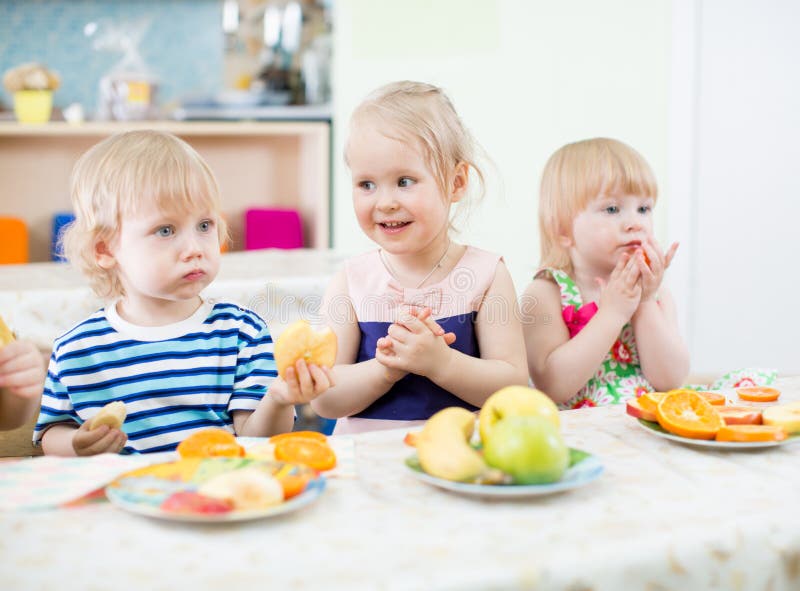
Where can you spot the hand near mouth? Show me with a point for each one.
(653, 263)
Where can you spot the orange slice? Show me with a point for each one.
(650, 400)
(208, 443)
(314, 454)
(688, 414)
(758, 394)
(298, 434)
(714, 398)
(751, 433)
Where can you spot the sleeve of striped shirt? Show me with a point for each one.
(255, 365)
(56, 404)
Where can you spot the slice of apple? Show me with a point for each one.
(784, 415)
(740, 415)
(634, 408)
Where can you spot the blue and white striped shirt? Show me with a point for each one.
(174, 379)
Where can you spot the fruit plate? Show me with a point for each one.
(583, 469)
(144, 490)
(659, 431)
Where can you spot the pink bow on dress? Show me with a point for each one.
(576, 318)
(397, 296)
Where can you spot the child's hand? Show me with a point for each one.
(416, 347)
(623, 292)
(653, 273)
(22, 369)
(101, 440)
(385, 347)
(303, 383)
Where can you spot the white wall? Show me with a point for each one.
(707, 90)
(743, 203)
(526, 76)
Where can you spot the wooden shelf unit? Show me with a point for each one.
(257, 164)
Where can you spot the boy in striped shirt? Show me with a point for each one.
(147, 234)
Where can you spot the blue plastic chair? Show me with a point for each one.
(59, 221)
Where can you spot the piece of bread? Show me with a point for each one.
(6, 336)
(112, 414)
(300, 341)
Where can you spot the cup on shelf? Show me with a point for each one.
(33, 106)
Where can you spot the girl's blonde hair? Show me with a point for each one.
(115, 177)
(422, 113)
(575, 175)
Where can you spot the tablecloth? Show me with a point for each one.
(662, 516)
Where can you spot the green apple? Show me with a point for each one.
(529, 449)
(513, 401)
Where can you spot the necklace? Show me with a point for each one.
(438, 264)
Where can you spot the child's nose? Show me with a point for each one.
(190, 246)
(633, 223)
(387, 201)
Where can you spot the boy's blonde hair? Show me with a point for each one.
(422, 113)
(575, 175)
(115, 177)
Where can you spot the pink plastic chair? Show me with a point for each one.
(272, 228)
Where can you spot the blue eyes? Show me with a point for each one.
(403, 182)
(642, 209)
(167, 231)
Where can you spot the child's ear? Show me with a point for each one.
(565, 239)
(459, 183)
(103, 255)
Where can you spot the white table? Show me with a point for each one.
(40, 301)
(662, 516)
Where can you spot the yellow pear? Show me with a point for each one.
(513, 401)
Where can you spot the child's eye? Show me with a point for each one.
(165, 231)
(205, 226)
(645, 209)
(367, 185)
(405, 182)
(612, 209)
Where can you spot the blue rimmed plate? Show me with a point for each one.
(143, 491)
(583, 469)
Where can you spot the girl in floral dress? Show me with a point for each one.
(600, 327)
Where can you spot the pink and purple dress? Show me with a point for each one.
(377, 298)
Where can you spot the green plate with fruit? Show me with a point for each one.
(583, 469)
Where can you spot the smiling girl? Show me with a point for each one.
(422, 322)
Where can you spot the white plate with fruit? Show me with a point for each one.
(704, 419)
(583, 469)
(519, 452)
